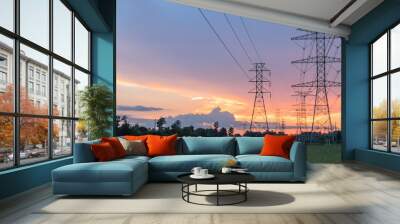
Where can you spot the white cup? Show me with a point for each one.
(226, 170)
(196, 171)
(203, 172)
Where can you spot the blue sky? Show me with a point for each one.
(169, 58)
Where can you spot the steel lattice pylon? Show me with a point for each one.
(321, 120)
(301, 110)
(259, 118)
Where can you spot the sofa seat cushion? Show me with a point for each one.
(185, 163)
(257, 163)
(112, 171)
(133, 157)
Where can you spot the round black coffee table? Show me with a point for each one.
(238, 179)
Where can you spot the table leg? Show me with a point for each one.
(217, 194)
(195, 188)
(182, 190)
(245, 193)
(188, 190)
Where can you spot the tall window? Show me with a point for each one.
(385, 91)
(45, 62)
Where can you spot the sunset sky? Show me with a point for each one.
(170, 63)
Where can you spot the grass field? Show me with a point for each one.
(324, 153)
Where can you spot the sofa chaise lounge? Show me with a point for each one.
(125, 176)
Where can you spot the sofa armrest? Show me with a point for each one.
(83, 152)
(298, 156)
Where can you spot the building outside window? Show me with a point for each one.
(38, 89)
(44, 91)
(30, 87)
(3, 61)
(3, 77)
(30, 72)
(3, 72)
(385, 92)
(55, 97)
(37, 75)
(34, 75)
(44, 77)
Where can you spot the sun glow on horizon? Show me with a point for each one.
(240, 110)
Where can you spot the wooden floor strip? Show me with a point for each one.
(378, 189)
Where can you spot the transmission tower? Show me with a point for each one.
(280, 123)
(321, 120)
(278, 120)
(259, 119)
(301, 110)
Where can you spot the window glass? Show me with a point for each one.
(62, 28)
(62, 137)
(6, 74)
(7, 14)
(395, 47)
(6, 142)
(379, 97)
(379, 56)
(81, 82)
(395, 136)
(62, 89)
(38, 102)
(81, 131)
(379, 135)
(33, 140)
(81, 45)
(34, 21)
(395, 94)
(34, 81)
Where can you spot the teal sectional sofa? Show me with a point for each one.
(125, 176)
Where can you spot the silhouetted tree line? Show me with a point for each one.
(124, 128)
(160, 128)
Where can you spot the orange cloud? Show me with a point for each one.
(204, 103)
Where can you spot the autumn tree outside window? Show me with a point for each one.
(44, 64)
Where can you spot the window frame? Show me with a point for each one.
(388, 74)
(16, 114)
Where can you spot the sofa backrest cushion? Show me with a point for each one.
(249, 145)
(208, 145)
(83, 153)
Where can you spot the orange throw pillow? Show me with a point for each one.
(103, 152)
(161, 145)
(116, 145)
(277, 145)
(142, 138)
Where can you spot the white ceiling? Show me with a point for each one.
(320, 9)
(315, 15)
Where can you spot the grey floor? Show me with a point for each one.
(377, 188)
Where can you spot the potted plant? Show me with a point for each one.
(96, 103)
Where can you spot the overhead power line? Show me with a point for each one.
(223, 43)
(237, 38)
(320, 84)
(251, 39)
